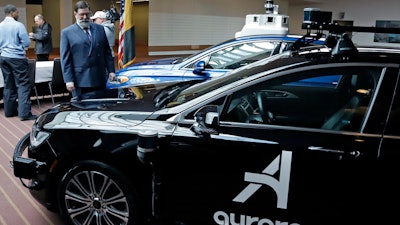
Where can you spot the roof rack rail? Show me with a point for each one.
(340, 29)
(306, 39)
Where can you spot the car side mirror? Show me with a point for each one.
(207, 118)
(212, 119)
(200, 68)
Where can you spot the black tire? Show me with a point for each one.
(94, 193)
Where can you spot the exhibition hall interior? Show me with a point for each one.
(162, 29)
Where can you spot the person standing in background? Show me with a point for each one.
(100, 17)
(42, 37)
(14, 41)
(85, 56)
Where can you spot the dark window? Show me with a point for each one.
(331, 98)
(392, 127)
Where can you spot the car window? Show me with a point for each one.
(319, 81)
(331, 98)
(392, 127)
(235, 56)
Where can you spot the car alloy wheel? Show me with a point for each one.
(94, 193)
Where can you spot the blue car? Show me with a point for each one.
(211, 62)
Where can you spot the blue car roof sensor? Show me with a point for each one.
(267, 24)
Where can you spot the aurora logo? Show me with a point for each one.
(281, 164)
(223, 218)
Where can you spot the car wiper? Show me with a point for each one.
(177, 60)
(165, 95)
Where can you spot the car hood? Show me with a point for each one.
(97, 111)
(157, 64)
(118, 115)
(163, 61)
(148, 73)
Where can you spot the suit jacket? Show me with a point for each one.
(85, 62)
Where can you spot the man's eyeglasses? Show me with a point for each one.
(84, 14)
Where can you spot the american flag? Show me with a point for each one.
(126, 42)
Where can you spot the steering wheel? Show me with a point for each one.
(262, 101)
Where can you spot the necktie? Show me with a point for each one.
(88, 34)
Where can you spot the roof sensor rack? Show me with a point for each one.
(337, 39)
(344, 47)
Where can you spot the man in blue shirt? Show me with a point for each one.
(14, 40)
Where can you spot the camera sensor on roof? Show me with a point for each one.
(316, 16)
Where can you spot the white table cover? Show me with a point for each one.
(44, 72)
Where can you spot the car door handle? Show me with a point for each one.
(280, 94)
(277, 94)
(354, 154)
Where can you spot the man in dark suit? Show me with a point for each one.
(43, 38)
(85, 56)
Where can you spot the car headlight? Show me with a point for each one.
(38, 137)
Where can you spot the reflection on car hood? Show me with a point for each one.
(109, 121)
(114, 104)
(97, 120)
(90, 112)
(111, 115)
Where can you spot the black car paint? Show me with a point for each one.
(200, 177)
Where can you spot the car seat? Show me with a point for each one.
(350, 116)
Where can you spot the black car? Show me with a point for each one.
(305, 137)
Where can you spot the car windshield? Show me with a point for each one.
(177, 94)
(256, 49)
(238, 49)
(203, 50)
(188, 92)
